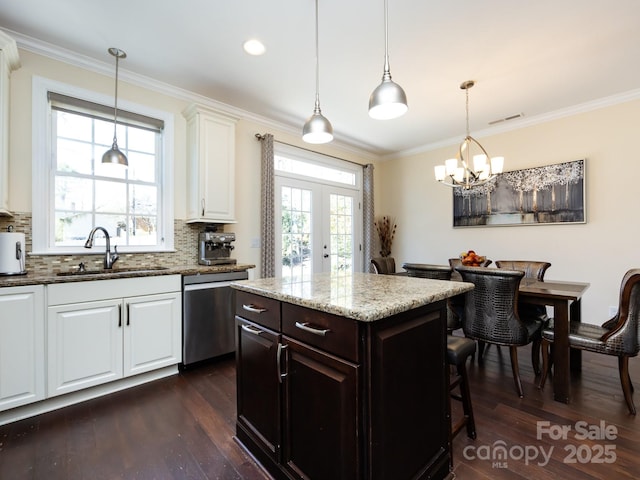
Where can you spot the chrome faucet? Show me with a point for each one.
(109, 258)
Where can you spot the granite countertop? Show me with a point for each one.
(361, 296)
(118, 271)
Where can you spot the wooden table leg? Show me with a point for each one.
(576, 354)
(561, 385)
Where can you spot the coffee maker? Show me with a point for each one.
(215, 248)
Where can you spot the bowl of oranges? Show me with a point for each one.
(472, 259)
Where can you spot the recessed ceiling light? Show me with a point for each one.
(254, 47)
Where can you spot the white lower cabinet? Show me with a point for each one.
(22, 366)
(153, 333)
(102, 340)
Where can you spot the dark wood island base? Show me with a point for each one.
(323, 396)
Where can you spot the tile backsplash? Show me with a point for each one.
(185, 244)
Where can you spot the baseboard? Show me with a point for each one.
(54, 403)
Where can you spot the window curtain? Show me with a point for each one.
(368, 222)
(267, 220)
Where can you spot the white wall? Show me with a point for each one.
(247, 146)
(598, 252)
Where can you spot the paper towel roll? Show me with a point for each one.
(12, 253)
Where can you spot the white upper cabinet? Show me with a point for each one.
(210, 165)
(9, 61)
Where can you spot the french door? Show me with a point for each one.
(318, 229)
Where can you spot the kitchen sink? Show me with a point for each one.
(113, 271)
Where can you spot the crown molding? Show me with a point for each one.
(10, 50)
(69, 57)
(526, 122)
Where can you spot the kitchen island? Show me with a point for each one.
(344, 376)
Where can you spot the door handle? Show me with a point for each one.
(250, 329)
(279, 362)
(252, 309)
(316, 331)
(326, 255)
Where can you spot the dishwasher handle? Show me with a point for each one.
(205, 286)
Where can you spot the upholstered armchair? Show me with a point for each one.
(491, 313)
(619, 336)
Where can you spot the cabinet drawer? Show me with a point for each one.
(333, 334)
(262, 310)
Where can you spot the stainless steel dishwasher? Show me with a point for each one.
(208, 315)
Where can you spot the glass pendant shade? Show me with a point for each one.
(114, 155)
(317, 129)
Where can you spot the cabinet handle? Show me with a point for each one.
(202, 203)
(251, 308)
(119, 316)
(250, 329)
(128, 321)
(316, 331)
(279, 362)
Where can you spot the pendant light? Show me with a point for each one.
(388, 100)
(317, 128)
(114, 155)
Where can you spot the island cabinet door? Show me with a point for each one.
(409, 396)
(320, 430)
(259, 385)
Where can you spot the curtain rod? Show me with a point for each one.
(261, 137)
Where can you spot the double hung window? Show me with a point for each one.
(78, 192)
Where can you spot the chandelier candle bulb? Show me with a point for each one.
(480, 163)
(497, 164)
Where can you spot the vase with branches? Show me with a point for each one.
(386, 228)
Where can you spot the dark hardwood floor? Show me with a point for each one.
(182, 428)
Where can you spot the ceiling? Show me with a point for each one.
(526, 57)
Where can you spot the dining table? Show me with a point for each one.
(565, 298)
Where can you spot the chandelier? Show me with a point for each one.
(464, 176)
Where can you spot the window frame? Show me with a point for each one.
(43, 220)
(320, 159)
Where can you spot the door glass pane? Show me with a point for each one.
(341, 233)
(296, 234)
